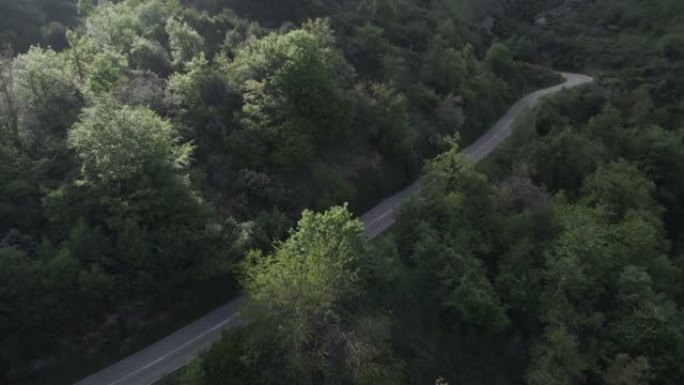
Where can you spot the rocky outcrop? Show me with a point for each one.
(544, 19)
(494, 9)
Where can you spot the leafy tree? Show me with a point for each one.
(390, 121)
(103, 212)
(672, 46)
(556, 359)
(184, 41)
(562, 161)
(368, 47)
(34, 22)
(500, 59)
(293, 87)
(625, 370)
(619, 187)
(444, 67)
(646, 325)
(84, 7)
(308, 290)
(40, 100)
(118, 145)
(107, 69)
(134, 167)
(149, 55)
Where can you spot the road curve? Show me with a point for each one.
(382, 216)
(154, 362)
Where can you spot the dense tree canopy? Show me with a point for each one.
(146, 146)
(559, 260)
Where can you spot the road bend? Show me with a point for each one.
(175, 351)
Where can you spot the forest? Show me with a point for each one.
(158, 157)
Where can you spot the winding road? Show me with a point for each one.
(175, 351)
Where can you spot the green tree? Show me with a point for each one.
(84, 7)
(293, 87)
(135, 168)
(443, 67)
(389, 120)
(556, 359)
(500, 60)
(672, 46)
(107, 69)
(619, 187)
(645, 324)
(310, 288)
(184, 41)
(368, 47)
(118, 145)
(561, 162)
(625, 370)
(40, 100)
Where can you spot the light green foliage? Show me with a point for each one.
(312, 276)
(489, 279)
(132, 29)
(111, 26)
(84, 7)
(574, 267)
(293, 87)
(120, 144)
(308, 291)
(107, 69)
(573, 276)
(45, 98)
(184, 41)
(619, 187)
(134, 167)
(191, 90)
(445, 168)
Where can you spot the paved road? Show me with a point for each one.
(176, 350)
(381, 217)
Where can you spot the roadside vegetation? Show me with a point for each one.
(557, 261)
(144, 153)
(158, 156)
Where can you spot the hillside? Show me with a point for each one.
(557, 261)
(157, 157)
(142, 158)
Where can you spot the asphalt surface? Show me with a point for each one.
(175, 351)
(381, 217)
